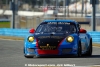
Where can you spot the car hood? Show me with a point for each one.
(52, 39)
(50, 36)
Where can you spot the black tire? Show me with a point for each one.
(35, 56)
(79, 53)
(89, 52)
(28, 56)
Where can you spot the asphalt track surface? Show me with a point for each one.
(11, 55)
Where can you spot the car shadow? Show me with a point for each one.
(70, 56)
(93, 56)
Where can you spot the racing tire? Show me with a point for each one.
(89, 52)
(79, 53)
(31, 56)
(28, 56)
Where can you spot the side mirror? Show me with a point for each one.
(82, 31)
(31, 31)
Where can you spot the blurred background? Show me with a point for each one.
(29, 13)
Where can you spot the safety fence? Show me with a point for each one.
(24, 32)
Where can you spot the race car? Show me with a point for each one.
(58, 38)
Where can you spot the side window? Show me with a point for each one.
(72, 28)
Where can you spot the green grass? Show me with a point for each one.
(4, 24)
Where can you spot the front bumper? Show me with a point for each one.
(63, 49)
(39, 52)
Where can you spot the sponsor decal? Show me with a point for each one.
(59, 23)
(55, 37)
(47, 47)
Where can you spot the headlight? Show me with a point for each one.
(30, 39)
(70, 39)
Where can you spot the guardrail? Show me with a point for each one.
(24, 32)
(95, 36)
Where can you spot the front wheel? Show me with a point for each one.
(79, 51)
(28, 56)
(35, 56)
(89, 52)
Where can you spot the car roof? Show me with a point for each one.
(71, 21)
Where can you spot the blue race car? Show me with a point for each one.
(58, 37)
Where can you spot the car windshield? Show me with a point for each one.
(58, 27)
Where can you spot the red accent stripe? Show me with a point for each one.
(37, 43)
(55, 52)
(60, 43)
